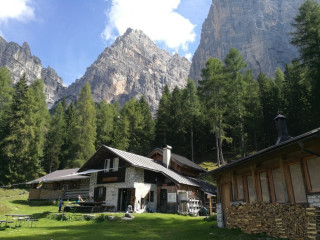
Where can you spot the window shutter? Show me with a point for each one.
(115, 164)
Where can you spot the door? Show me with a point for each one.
(163, 200)
(126, 197)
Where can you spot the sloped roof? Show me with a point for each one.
(181, 160)
(282, 145)
(146, 163)
(59, 175)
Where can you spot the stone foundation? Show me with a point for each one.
(219, 215)
(276, 220)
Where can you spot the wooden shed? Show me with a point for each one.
(60, 184)
(276, 190)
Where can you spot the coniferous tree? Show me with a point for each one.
(307, 38)
(236, 85)
(105, 123)
(190, 113)
(68, 149)
(121, 135)
(212, 90)
(55, 140)
(84, 136)
(6, 92)
(163, 115)
(39, 117)
(20, 144)
(297, 95)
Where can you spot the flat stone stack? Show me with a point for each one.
(276, 220)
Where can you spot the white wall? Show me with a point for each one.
(134, 178)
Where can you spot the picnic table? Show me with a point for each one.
(5, 221)
(19, 218)
(87, 207)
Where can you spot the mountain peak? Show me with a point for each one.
(133, 66)
(26, 48)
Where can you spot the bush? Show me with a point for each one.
(211, 218)
(67, 217)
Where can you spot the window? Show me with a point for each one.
(111, 165)
(314, 169)
(264, 187)
(280, 188)
(298, 187)
(240, 187)
(251, 189)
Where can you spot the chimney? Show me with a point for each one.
(281, 128)
(166, 155)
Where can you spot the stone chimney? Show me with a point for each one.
(166, 155)
(281, 128)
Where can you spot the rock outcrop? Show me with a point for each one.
(18, 60)
(258, 29)
(133, 66)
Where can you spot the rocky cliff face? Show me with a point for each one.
(133, 66)
(259, 29)
(19, 60)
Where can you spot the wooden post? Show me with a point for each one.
(210, 205)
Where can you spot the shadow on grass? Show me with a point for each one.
(33, 203)
(141, 227)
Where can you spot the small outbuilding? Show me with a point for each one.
(276, 190)
(60, 184)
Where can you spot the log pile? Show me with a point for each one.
(276, 220)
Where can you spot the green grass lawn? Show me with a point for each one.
(143, 226)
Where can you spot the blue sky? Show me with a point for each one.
(68, 35)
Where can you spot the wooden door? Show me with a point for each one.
(163, 200)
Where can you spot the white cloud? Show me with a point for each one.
(156, 18)
(188, 56)
(20, 10)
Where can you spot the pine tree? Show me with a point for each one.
(20, 146)
(55, 140)
(190, 113)
(212, 90)
(105, 123)
(121, 134)
(297, 95)
(6, 92)
(39, 116)
(85, 134)
(307, 38)
(236, 85)
(163, 116)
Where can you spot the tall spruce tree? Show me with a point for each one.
(212, 90)
(85, 129)
(190, 113)
(105, 123)
(39, 116)
(236, 85)
(23, 144)
(55, 140)
(6, 92)
(163, 116)
(307, 38)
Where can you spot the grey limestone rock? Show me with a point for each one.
(132, 67)
(259, 29)
(18, 60)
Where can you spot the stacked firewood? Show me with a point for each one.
(276, 220)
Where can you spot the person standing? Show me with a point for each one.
(60, 204)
